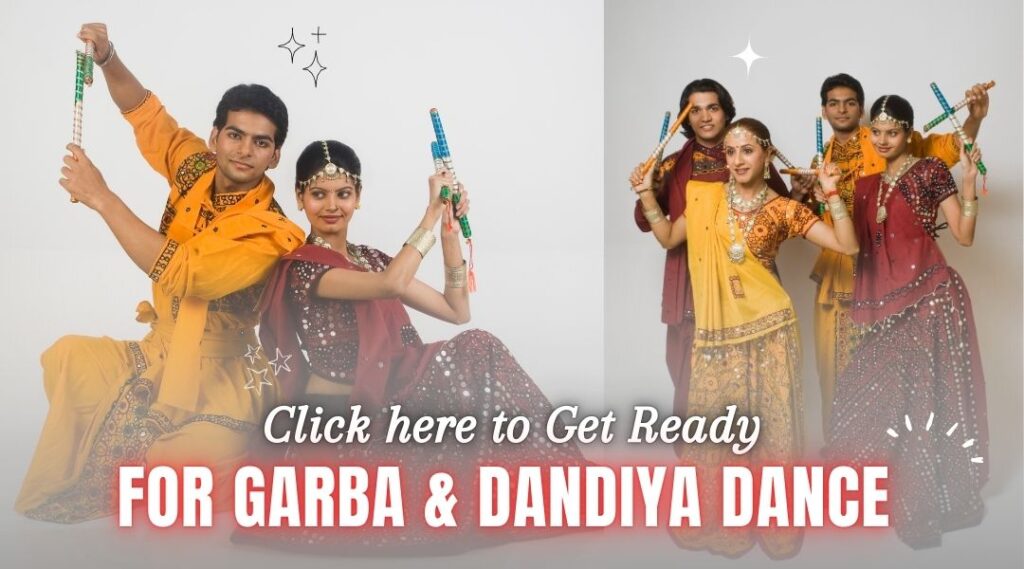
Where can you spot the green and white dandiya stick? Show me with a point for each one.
(938, 120)
(968, 145)
(83, 77)
(445, 155)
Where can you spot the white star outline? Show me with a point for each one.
(255, 375)
(749, 56)
(928, 427)
(283, 365)
(253, 353)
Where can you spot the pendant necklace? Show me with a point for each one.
(737, 250)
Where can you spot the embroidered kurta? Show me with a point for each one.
(197, 384)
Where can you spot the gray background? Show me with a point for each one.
(654, 48)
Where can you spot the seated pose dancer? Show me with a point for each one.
(747, 349)
(344, 306)
(183, 394)
(913, 395)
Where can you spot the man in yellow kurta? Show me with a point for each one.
(197, 385)
(842, 104)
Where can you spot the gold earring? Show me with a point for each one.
(767, 173)
(358, 205)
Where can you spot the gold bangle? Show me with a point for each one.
(654, 215)
(969, 208)
(838, 210)
(455, 277)
(421, 240)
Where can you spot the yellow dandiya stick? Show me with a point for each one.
(661, 146)
(938, 120)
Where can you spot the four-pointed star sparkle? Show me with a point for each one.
(749, 56)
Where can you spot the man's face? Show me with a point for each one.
(841, 110)
(707, 118)
(245, 148)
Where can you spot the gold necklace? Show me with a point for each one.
(882, 197)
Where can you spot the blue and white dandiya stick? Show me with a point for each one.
(664, 126)
(445, 155)
(937, 120)
(820, 143)
(446, 192)
(661, 137)
(446, 159)
(968, 145)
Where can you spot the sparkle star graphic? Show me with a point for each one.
(280, 357)
(257, 379)
(315, 64)
(928, 427)
(749, 56)
(252, 354)
(292, 46)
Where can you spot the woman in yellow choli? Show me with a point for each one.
(746, 348)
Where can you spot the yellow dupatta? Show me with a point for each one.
(733, 302)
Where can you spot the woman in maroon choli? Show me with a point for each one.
(913, 397)
(343, 306)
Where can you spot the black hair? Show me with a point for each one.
(312, 160)
(896, 107)
(706, 86)
(842, 80)
(258, 99)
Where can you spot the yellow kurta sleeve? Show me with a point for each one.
(162, 142)
(945, 147)
(230, 255)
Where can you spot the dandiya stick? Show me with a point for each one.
(661, 146)
(456, 196)
(968, 145)
(782, 158)
(937, 120)
(664, 132)
(83, 77)
(800, 171)
(820, 146)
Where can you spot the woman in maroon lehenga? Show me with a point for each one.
(344, 306)
(913, 397)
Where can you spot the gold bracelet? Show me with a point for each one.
(421, 240)
(455, 277)
(969, 208)
(654, 215)
(838, 210)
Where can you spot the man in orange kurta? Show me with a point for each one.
(842, 104)
(197, 385)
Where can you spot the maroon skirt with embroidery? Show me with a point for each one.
(471, 374)
(913, 398)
